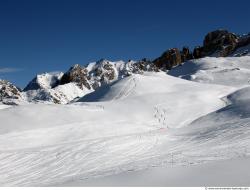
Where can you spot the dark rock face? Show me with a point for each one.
(76, 74)
(220, 41)
(105, 72)
(144, 65)
(171, 58)
(185, 54)
(9, 91)
(168, 59)
(109, 73)
(198, 52)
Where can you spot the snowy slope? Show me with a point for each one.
(221, 173)
(133, 123)
(230, 71)
(242, 51)
(3, 106)
(130, 127)
(220, 135)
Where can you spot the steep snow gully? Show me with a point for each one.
(136, 123)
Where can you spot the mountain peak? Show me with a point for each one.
(44, 81)
(56, 86)
(9, 92)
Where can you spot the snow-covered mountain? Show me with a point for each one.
(121, 117)
(78, 81)
(62, 88)
(44, 81)
(140, 121)
(9, 93)
(47, 88)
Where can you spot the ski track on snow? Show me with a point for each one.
(128, 88)
(64, 162)
(83, 157)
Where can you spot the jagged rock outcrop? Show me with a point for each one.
(78, 75)
(198, 52)
(103, 73)
(9, 93)
(62, 88)
(186, 54)
(221, 42)
(218, 43)
(48, 87)
(168, 59)
(144, 65)
(171, 58)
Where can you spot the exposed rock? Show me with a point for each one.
(106, 72)
(168, 59)
(109, 73)
(63, 88)
(198, 52)
(221, 42)
(185, 54)
(144, 65)
(62, 94)
(78, 75)
(9, 92)
(79, 81)
(103, 72)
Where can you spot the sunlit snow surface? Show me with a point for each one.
(139, 122)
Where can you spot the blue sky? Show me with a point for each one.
(51, 35)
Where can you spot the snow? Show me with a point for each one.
(46, 87)
(144, 130)
(118, 65)
(3, 106)
(209, 174)
(44, 81)
(120, 68)
(48, 80)
(230, 71)
(242, 51)
(62, 94)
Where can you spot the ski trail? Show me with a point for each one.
(160, 115)
(89, 107)
(128, 88)
(111, 155)
(67, 161)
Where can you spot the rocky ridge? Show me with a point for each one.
(62, 88)
(218, 43)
